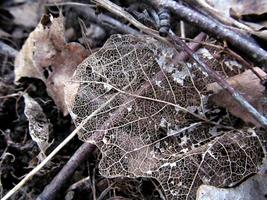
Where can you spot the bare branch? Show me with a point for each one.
(217, 29)
(223, 83)
(7, 50)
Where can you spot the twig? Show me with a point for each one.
(38, 167)
(51, 190)
(221, 16)
(223, 83)
(7, 50)
(117, 10)
(69, 4)
(105, 20)
(245, 63)
(10, 95)
(239, 41)
(57, 149)
(104, 193)
(231, 53)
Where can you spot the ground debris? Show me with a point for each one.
(250, 86)
(46, 56)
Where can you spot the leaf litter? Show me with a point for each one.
(168, 130)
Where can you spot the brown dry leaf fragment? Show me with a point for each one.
(46, 56)
(239, 7)
(248, 84)
(239, 10)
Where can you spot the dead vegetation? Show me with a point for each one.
(165, 111)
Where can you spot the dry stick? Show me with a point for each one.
(67, 171)
(119, 11)
(245, 63)
(222, 82)
(56, 150)
(231, 53)
(105, 21)
(221, 16)
(239, 41)
(7, 50)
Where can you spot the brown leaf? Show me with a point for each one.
(46, 56)
(252, 7)
(238, 9)
(248, 84)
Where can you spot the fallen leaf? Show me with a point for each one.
(39, 125)
(46, 56)
(248, 84)
(252, 7)
(241, 10)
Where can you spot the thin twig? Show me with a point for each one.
(104, 193)
(222, 82)
(105, 21)
(7, 50)
(56, 150)
(117, 10)
(39, 167)
(70, 4)
(221, 16)
(240, 41)
(231, 53)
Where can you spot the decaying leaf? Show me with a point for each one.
(162, 132)
(252, 7)
(46, 56)
(39, 125)
(241, 10)
(248, 84)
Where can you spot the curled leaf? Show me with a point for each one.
(46, 56)
(39, 125)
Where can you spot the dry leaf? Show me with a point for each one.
(238, 9)
(145, 124)
(39, 125)
(252, 7)
(248, 84)
(46, 56)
